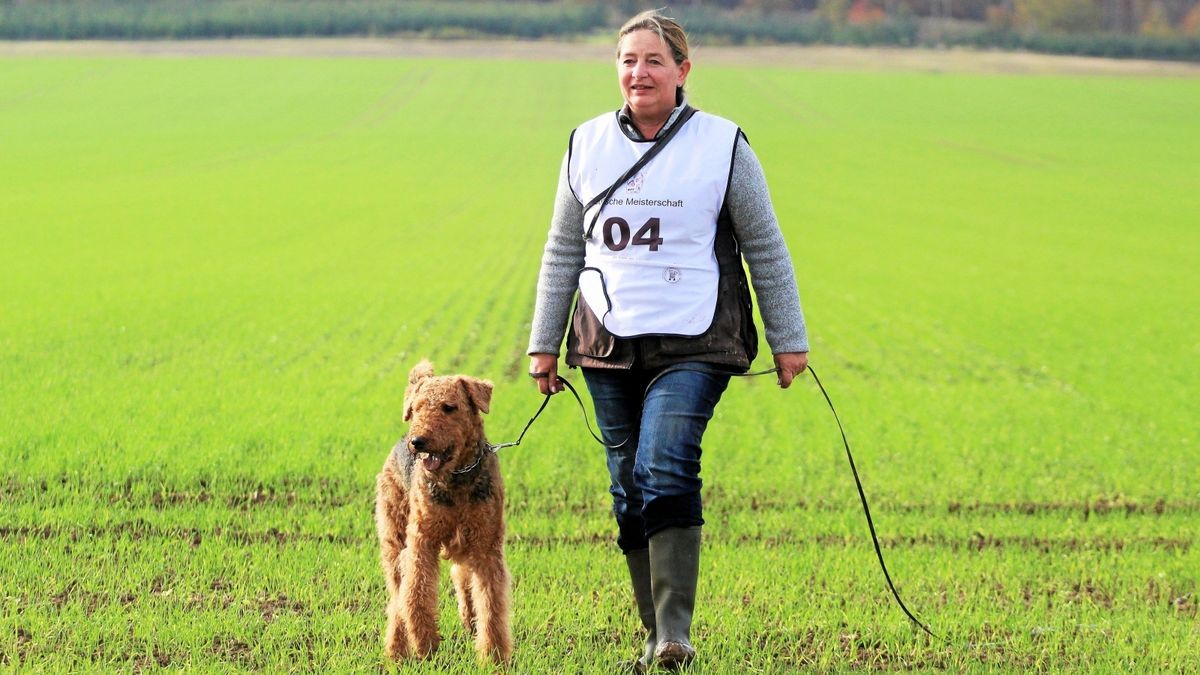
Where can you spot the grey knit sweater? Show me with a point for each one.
(757, 232)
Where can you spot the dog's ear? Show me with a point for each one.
(479, 392)
(409, 392)
(420, 371)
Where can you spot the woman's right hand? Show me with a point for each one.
(544, 369)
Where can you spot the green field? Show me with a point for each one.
(215, 274)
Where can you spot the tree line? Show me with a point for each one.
(1156, 18)
(1116, 28)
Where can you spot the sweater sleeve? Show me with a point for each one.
(766, 253)
(559, 276)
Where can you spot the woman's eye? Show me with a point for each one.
(447, 408)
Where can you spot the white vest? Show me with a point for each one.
(650, 267)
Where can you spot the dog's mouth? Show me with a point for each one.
(432, 461)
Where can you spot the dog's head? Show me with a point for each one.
(445, 426)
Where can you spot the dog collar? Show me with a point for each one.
(483, 448)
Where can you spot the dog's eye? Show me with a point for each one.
(449, 408)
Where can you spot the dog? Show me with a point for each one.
(440, 492)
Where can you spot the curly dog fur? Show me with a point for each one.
(423, 509)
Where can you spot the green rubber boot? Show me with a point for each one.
(639, 573)
(674, 567)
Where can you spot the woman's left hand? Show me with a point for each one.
(790, 364)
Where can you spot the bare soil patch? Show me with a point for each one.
(786, 56)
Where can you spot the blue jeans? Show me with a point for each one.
(656, 473)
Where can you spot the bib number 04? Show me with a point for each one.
(617, 237)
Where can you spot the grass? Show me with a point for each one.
(216, 273)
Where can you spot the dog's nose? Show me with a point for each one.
(418, 443)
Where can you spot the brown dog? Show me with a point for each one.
(440, 493)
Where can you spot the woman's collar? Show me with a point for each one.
(625, 119)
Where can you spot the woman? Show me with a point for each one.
(664, 313)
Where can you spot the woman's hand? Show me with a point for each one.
(544, 368)
(790, 364)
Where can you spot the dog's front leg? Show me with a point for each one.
(490, 586)
(395, 640)
(462, 590)
(418, 594)
(391, 518)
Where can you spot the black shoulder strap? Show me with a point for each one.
(602, 198)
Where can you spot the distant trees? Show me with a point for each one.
(186, 19)
(1116, 28)
(1063, 16)
(1191, 22)
(1130, 17)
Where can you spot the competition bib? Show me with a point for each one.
(649, 266)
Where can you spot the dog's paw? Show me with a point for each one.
(424, 647)
(395, 641)
(396, 650)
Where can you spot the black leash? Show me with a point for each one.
(867, 510)
(496, 447)
(711, 371)
(862, 495)
(545, 401)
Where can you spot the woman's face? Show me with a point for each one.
(648, 74)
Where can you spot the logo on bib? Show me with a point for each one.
(672, 275)
(634, 186)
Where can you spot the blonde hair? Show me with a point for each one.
(664, 27)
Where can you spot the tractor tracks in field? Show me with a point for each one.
(794, 108)
(138, 530)
(387, 105)
(444, 328)
(498, 346)
(245, 493)
(384, 107)
(960, 360)
(978, 541)
(1030, 161)
(46, 86)
(194, 537)
(245, 512)
(972, 535)
(472, 320)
